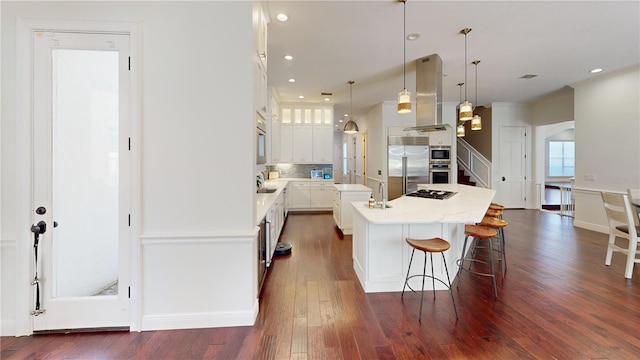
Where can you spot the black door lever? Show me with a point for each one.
(39, 228)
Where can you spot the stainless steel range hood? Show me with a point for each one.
(429, 94)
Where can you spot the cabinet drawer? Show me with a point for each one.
(300, 184)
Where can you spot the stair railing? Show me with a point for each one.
(474, 163)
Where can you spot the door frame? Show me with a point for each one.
(24, 158)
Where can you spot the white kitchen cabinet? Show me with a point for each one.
(399, 131)
(273, 153)
(299, 195)
(343, 195)
(275, 221)
(302, 144)
(322, 144)
(276, 141)
(286, 144)
(321, 194)
(262, 95)
(260, 22)
(440, 138)
(310, 195)
(306, 135)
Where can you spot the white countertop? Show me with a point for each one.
(352, 187)
(467, 206)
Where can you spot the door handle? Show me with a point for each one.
(39, 228)
(503, 178)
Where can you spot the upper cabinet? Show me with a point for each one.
(261, 94)
(440, 138)
(304, 134)
(260, 20)
(306, 115)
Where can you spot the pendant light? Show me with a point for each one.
(460, 127)
(404, 96)
(466, 108)
(476, 121)
(351, 127)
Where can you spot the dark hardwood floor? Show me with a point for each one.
(557, 300)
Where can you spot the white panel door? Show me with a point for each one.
(512, 166)
(81, 180)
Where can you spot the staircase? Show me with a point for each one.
(464, 179)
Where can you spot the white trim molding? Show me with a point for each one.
(200, 320)
(476, 164)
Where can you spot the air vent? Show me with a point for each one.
(528, 76)
(326, 94)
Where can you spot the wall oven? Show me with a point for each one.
(440, 154)
(261, 140)
(440, 173)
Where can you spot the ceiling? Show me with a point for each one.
(333, 42)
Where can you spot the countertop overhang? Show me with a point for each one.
(467, 206)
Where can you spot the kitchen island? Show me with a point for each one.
(380, 252)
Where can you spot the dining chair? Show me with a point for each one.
(634, 197)
(621, 225)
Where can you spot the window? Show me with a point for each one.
(561, 158)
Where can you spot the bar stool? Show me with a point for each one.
(498, 225)
(478, 233)
(430, 246)
(496, 213)
(496, 206)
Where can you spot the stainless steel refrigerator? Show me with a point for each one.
(408, 164)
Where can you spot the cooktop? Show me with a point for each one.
(432, 194)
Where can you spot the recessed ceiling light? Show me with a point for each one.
(282, 17)
(340, 120)
(346, 115)
(528, 76)
(292, 80)
(300, 96)
(327, 99)
(288, 57)
(414, 36)
(595, 71)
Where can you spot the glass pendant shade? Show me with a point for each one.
(404, 102)
(466, 111)
(350, 127)
(460, 130)
(476, 122)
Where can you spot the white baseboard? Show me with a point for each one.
(200, 320)
(590, 226)
(7, 328)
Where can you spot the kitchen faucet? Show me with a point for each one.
(383, 202)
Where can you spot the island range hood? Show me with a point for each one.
(429, 94)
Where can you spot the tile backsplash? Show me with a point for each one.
(299, 170)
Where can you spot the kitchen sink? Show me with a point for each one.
(266, 191)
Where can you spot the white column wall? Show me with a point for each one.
(607, 123)
(197, 151)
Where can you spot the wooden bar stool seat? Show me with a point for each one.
(495, 206)
(478, 233)
(433, 245)
(494, 213)
(498, 225)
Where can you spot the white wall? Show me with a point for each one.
(197, 157)
(607, 122)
